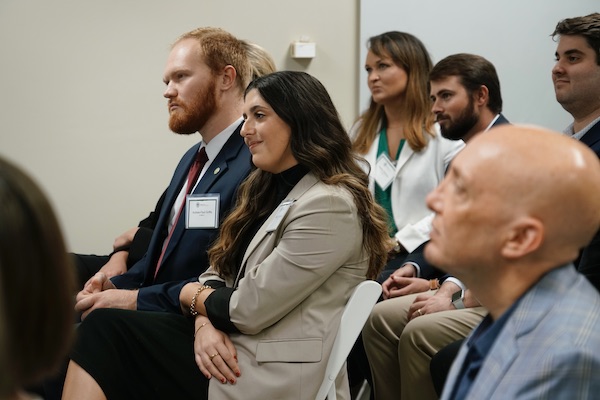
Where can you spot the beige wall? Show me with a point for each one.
(82, 107)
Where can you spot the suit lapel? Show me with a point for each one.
(528, 314)
(308, 181)
(405, 155)
(178, 181)
(499, 361)
(219, 166)
(215, 171)
(592, 137)
(173, 190)
(501, 120)
(371, 158)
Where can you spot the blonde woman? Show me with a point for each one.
(397, 135)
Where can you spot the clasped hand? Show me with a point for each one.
(402, 282)
(100, 292)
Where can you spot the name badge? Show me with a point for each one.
(279, 214)
(202, 211)
(385, 170)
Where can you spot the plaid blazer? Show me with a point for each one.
(548, 348)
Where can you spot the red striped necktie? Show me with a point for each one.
(193, 174)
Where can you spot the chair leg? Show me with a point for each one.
(365, 391)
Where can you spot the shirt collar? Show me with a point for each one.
(569, 129)
(216, 144)
(492, 123)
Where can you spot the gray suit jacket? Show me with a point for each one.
(288, 305)
(548, 348)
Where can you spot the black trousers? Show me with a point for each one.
(140, 355)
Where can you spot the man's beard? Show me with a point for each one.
(464, 123)
(192, 116)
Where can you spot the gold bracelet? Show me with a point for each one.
(193, 311)
(200, 327)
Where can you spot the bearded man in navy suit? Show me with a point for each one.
(206, 73)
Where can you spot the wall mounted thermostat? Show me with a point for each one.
(303, 48)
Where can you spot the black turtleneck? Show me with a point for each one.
(217, 304)
(284, 182)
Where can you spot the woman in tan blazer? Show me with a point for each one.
(261, 322)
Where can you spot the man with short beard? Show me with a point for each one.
(206, 73)
(466, 100)
(130, 246)
(419, 316)
(465, 92)
(205, 76)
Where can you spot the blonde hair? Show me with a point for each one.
(410, 54)
(261, 62)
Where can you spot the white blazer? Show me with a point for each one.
(417, 174)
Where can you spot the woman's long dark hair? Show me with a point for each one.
(318, 142)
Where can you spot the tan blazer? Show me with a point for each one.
(298, 277)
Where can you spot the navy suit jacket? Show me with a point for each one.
(186, 254)
(429, 271)
(588, 262)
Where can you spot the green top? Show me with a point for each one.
(384, 197)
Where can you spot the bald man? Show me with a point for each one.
(519, 233)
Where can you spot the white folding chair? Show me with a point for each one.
(355, 315)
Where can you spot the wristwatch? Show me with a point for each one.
(458, 298)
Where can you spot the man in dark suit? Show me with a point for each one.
(466, 100)
(206, 73)
(576, 77)
(130, 246)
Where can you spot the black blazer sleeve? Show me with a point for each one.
(428, 271)
(589, 261)
(141, 240)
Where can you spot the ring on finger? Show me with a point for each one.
(419, 312)
(213, 356)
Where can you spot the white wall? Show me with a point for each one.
(82, 107)
(513, 34)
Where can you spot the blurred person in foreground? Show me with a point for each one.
(36, 285)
